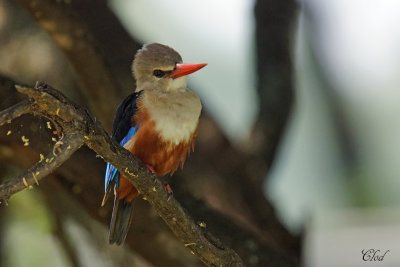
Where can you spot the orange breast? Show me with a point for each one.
(164, 156)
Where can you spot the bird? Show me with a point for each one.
(158, 123)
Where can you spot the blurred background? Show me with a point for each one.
(333, 174)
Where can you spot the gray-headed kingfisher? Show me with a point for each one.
(157, 123)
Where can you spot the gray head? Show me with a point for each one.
(159, 67)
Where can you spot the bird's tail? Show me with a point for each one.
(121, 220)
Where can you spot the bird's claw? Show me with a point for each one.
(168, 189)
(150, 169)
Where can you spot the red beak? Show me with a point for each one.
(185, 69)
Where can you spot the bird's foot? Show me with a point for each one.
(150, 169)
(168, 189)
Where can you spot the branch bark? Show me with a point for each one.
(62, 150)
(74, 38)
(274, 23)
(77, 181)
(76, 121)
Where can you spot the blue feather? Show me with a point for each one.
(129, 135)
(112, 172)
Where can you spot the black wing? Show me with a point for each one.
(122, 211)
(123, 116)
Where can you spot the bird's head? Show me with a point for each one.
(159, 67)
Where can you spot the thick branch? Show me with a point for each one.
(83, 171)
(274, 21)
(73, 119)
(73, 37)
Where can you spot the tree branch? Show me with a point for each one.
(62, 150)
(7, 115)
(76, 183)
(78, 126)
(274, 23)
(74, 38)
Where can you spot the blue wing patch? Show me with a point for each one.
(112, 172)
(128, 137)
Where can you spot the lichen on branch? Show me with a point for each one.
(76, 127)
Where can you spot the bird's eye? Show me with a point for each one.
(159, 73)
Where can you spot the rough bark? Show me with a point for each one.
(73, 37)
(75, 127)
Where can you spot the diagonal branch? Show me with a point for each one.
(78, 126)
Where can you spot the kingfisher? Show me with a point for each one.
(157, 123)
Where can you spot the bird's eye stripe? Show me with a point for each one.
(161, 73)
(158, 73)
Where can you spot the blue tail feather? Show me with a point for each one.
(122, 211)
(111, 173)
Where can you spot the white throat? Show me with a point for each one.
(178, 84)
(175, 113)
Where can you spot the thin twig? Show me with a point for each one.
(41, 169)
(7, 115)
